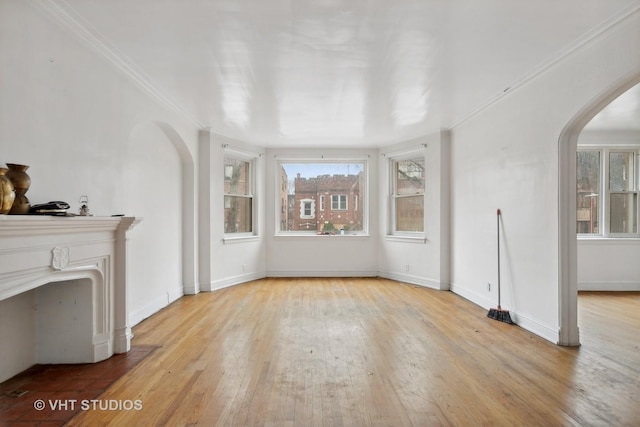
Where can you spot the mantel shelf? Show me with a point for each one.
(13, 225)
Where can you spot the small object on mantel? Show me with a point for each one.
(117, 215)
(84, 208)
(56, 208)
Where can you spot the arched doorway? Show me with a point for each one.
(567, 263)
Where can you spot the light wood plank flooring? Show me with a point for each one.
(373, 352)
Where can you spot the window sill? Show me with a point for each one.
(240, 239)
(319, 236)
(406, 239)
(609, 239)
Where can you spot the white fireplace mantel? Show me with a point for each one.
(83, 261)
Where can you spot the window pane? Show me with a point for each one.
(317, 195)
(624, 213)
(237, 214)
(409, 176)
(339, 202)
(236, 176)
(621, 171)
(588, 192)
(410, 213)
(306, 209)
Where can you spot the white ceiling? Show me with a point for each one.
(336, 72)
(621, 114)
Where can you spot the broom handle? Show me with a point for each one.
(498, 259)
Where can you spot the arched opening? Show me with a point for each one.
(567, 263)
(189, 191)
(187, 201)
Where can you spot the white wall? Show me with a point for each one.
(321, 255)
(609, 264)
(224, 261)
(152, 173)
(506, 156)
(84, 128)
(428, 261)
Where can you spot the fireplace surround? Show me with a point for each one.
(77, 267)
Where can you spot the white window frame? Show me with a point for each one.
(604, 211)
(417, 236)
(312, 209)
(251, 159)
(364, 160)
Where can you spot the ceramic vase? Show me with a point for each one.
(7, 193)
(21, 181)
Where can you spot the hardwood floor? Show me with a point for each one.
(373, 352)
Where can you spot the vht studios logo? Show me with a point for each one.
(88, 405)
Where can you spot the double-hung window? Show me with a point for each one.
(407, 195)
(607, 192)
(238, 196)
(623, 192)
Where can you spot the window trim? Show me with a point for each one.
(364, 160)
(604, 210)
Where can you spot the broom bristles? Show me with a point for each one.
(500, 315)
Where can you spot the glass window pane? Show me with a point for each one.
(409, 176)
(236, 176)
(624, 213)
(621, 171)
(588, 192)
(237, 214)
(339, 202)
(317, 196)
(410, 213)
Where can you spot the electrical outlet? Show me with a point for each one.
(244, 267)
(488, 287)
(406, 267)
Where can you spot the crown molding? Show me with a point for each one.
(577, 44)
(64, 14)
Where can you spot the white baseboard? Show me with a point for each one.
(193, 289)
(415, 280)
(519, 319)
(618, 287)
(472, 296)
(539, 329)
(231, 281)
(322, 273)
(175, 294)
(154, 305)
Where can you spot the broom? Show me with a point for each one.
(499, 313)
